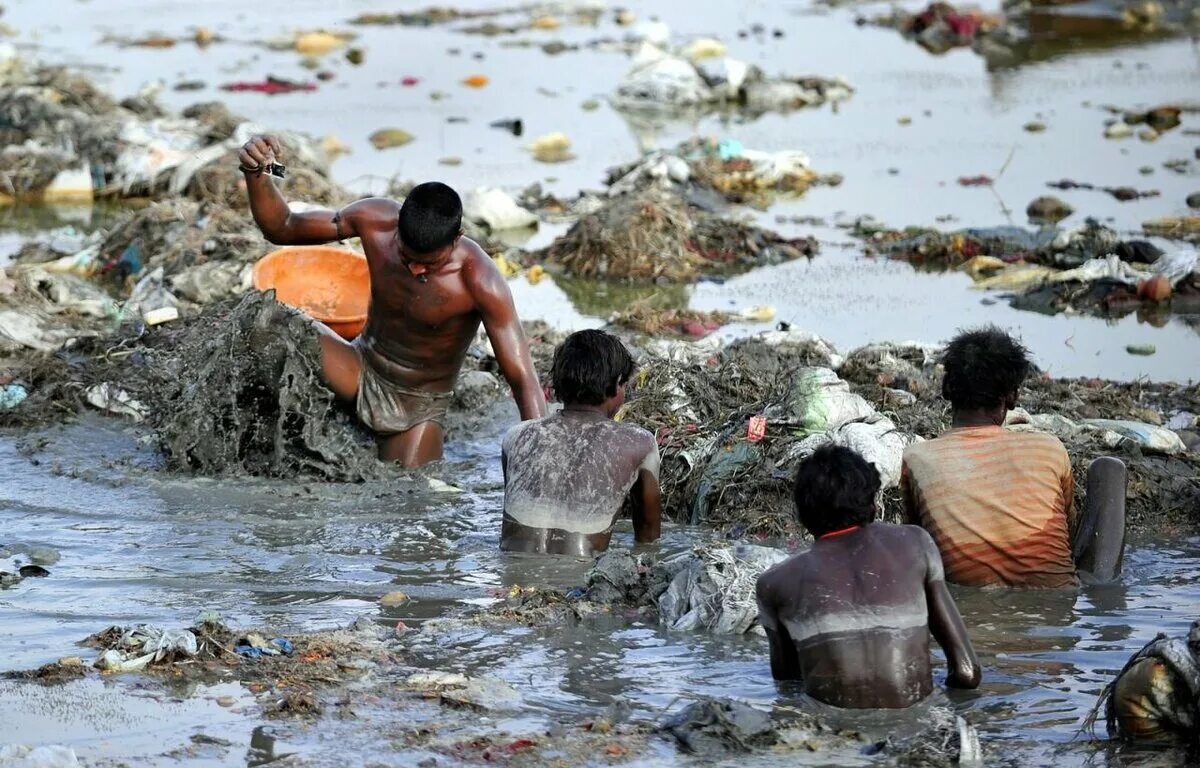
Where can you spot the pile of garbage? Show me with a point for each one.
(67, 141)
(286, 675)
(1089, 268)
(941, 27)
(163, 261)
(700, 76)
(1032, 30)
(733, 422)
(655, 235)
(725, 167)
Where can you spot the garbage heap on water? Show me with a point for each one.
(1088, 268)
(733, 422)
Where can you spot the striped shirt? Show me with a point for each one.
(996, 502)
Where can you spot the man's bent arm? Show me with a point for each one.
(495, 304)
(279, 224)
(785, 663)
(647, 508)
(945, 622)
(948, 629)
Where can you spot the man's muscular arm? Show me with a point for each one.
(495, 304)
(281, 226)
(945, 622)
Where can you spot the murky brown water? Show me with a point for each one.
(140, 547)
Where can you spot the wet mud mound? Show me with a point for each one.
(654, 235)
(249, 399)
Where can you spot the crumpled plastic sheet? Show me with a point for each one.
(660, 80)
(66, 292)
(713, 587)
(44, 756)
(152, 148)
(1149, 437)
(497, 210)
(109, 397)
(485, 693)
(255, 647)
(875, 438)
(819, 401)
(35, 331)
(150, 293)
(146, 644)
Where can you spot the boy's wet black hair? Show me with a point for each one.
(835, 488)
(588, 368)
(430, 218)
(984, 366)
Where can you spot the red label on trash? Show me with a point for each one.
(757, 429)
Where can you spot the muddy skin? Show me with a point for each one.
(425, 308)
(515, 537)
(852, 618)
(578, 468)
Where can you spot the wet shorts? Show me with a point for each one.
(389, 408)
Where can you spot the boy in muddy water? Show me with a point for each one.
(430, 290)
(567, 476)
(999, 503)
(851, 617)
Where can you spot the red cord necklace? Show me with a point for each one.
(831, 534)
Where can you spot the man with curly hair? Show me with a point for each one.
(851, 617)
(999, 502)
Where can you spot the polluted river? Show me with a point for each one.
(418, 642)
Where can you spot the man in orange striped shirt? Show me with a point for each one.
(999, 503)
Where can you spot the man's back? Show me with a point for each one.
(856, 610)
(997, 503)
(571, 471)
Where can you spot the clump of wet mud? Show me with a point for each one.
(249, 398)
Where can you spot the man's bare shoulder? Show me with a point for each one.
(640, 437)
(480, 274)
(785, 573)
(373, 212)
(899, 535)
(1042, 440)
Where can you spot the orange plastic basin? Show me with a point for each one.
(328, 284)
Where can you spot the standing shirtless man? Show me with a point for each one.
(430, 289)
